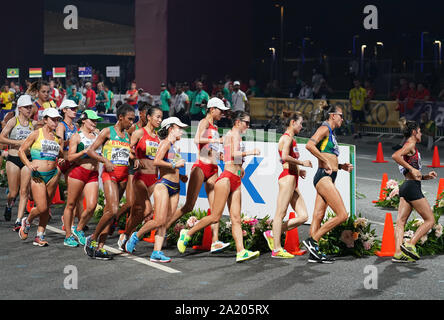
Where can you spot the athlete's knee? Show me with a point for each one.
(342, 216)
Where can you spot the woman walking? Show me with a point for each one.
(411, 197)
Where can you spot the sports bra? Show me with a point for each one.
(147, 146)
(211, 133)
(85, 142)
(44, 149)
(294, 152)
(117, 149)
(68, 134)
(414, 161)
(328, 144)
(20, 132)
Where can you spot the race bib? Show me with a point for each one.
(22, 134)
(151, 149)
(50, 149)
(120, 156)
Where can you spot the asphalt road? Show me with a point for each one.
(30, 272)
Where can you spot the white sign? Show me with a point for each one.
(113, 71)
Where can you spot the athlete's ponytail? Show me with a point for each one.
(326, 109)
(288, 116)
(407, 127)
(239, 115)
(35, 87)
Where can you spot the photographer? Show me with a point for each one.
(199, 104)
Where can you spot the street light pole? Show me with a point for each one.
(438, 42)
(379, 43)
(273, 50)
(362, 58)
(422, 50)
(282, 46)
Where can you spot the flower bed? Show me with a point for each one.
(391, 195)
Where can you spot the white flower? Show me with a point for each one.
(361, 223)
(228, 224)
(391, 184)
(441, 203)
(423, 239)
(438, 230)
(418, 222)
(409, 234)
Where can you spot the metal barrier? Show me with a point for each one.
(381, 131)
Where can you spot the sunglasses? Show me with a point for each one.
(27, 107)
(339, 114)
(246, 122)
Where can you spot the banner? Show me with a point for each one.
(35, 72)
(113, 71)
(381, 113)
(424, 111)
(85, 72)
(12, 73)
(59, 72)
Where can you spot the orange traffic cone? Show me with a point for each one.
(151, 238)
(382, 194)
(379, 155)
(388, 238)
(207, 238)
(57, 199)
(440, 188)
(29, 206)
(292, 240)
(436, 162)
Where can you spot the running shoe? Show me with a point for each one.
(312, 247)
(158, 256)
(24, 229)
(323, 259)
(183, 240)
(410, 250)
(40, 241)
(131, 243)
(246, 255)
(90, 247)
(121, 241)
(71, 242)
(17, 226)
(102, 254)
(80, 235)
(269, 238)
(8, 213)
(402, 258)
(218, 246)
(282, 254)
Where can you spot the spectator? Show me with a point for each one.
(187, 90)
(132, 95)
(239, 98)
(253, 91)
(428, 129)
(54, 93)
(402, 96)
(422, 93)
(217, 87)
(181, 104)
(102, 98)
(306, 91)
(6, 97)
(322, 90)
(145, 97)
(18, 91)
(75, 95)
(227, 82)
(411, 97)
(370, 96)
(225, 121)
(228, 92)
(199, 103)
(272, 89)
(110, 101)
(316, 79)
(90, 97)
(394, 94)
(295, 84)
(171, 88)
(165, 100)
(357, 98)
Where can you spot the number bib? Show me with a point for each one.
(50, 149)
(120, 156)
(151, 149)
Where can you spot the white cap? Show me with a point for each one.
(216, 103)
(24, 100)
(51, 112)
(172, 120)
(236, 83)
(68, 104)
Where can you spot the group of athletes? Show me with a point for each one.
(141, 160)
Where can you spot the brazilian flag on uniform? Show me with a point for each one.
(12, 73)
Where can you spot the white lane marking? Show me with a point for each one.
(369, 179)
(138, 259)
(389, 159)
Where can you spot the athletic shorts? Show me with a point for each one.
(410, 190)
(235, 180)
(286, 172)
(172, 187)
(84, 175)
(208, 169)
(321, 173)
(16, 160)
(44, 176)
(64, 168)
(120, 174)
(148, 179)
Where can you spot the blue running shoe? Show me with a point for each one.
(80, 235)
(131, 243)
(70, 242)
(158, 256)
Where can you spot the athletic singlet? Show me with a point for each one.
(44, 149)
(294, 152)
(147, 146)
(172, 156)
(414, 161)
(41, 108)
(117, 149)
(85, 142)
(20, 132)
(227, 152)
(328, 144)
(210, 133)
(68, 134)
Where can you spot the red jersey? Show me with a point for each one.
(147, 147)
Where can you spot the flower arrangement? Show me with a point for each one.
(391, 193)
(354, 237)
(98, 212)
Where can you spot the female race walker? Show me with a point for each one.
(410, 194)
(323, 145)
(115, 156)
(144, 145)
(83, 179)
(288, 186)
(166, 190)
(45, 148)
(40, 89)
(205, 169)
(227, 189)
(14, 134)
